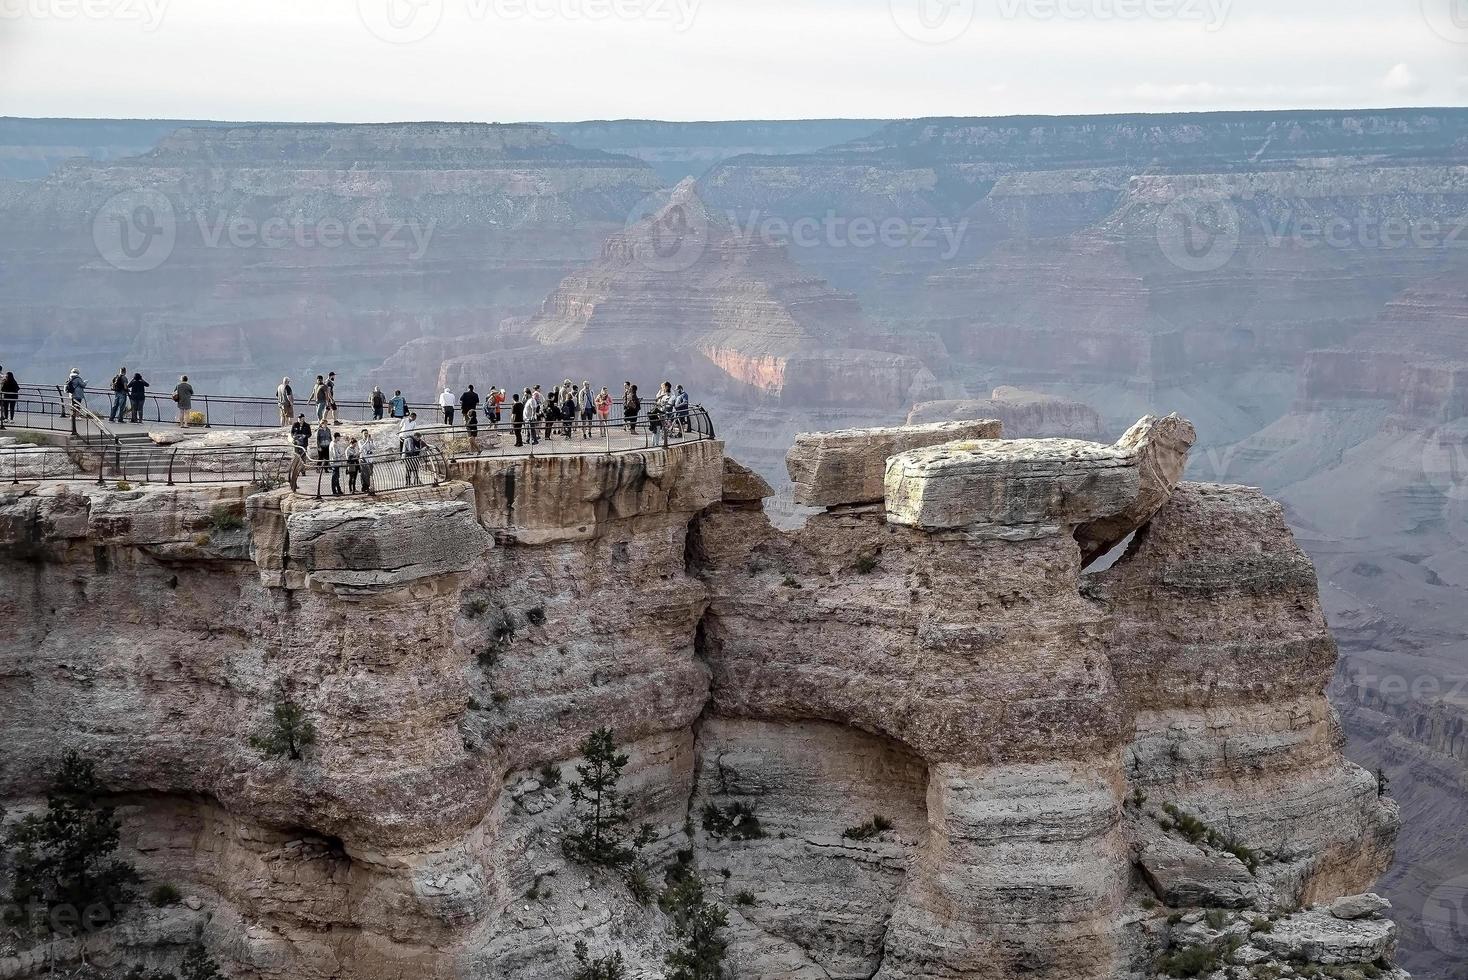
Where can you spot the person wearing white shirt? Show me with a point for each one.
(338, 460)
(365, 450)
(447, 401)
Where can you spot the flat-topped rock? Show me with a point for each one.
(1014, 489)
(743, 485)
(832, 469)
(1318, 936)
(1017, 489)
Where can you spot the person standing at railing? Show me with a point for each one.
(379, 403)
(568, 408)
(446, 402)
(366, 452)
(331, 398)
(496, 405)
(680, 410)
(469, 401)
(604, 407)
(354, 460)
(412, 450)
(588, 409)
(517, 417)
(137, 393)
(285, 400)
(117, 411)
(301, 435)
(9, 395)
(318, 395)
(399, 405)
(323, 443)
(338, 460)
(533, 405)
(76, 388)
(183, 394)
(631, 405)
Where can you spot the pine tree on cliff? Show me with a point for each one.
(289, 733)
(602, 814)
(697, 928)
(63, 865)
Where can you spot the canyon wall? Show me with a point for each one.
(1041, 744)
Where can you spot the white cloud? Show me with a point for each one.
(1401, 80)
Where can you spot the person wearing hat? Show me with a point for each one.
(77, 389)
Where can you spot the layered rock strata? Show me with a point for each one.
(967, 758)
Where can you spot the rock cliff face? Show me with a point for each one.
(1070, 769)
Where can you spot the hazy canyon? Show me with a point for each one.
(1291, 282)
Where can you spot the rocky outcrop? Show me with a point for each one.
(965, 758)
(831, 469)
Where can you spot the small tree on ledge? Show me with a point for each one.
(290, 732)
(602, 814)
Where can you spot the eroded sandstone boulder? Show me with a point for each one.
(1018, 488)
(1317, 936)
(832, 469)
(743, 485)
(1010, 489)
(352, 546)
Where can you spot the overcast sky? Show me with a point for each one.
(508, 60)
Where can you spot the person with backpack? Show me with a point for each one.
(568, 408)
(285, 400)
(76, 389)
(117, 411)
(137, 393)
(398, 405)
(183, 396)
(9, 395)
(631, 405)
(379, 403)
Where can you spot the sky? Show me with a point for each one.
(517, 60)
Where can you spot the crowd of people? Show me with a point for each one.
(532, 415)
(567, 410)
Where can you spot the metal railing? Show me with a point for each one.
(264, 467)
(578, 436)
(221, 411)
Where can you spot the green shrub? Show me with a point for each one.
(550, 775)
(790, 583)
(738, 822)
(639, 885)
(873, 828)
(223, 518)
(1216, 919)
(745, 899)
(165, 895)
(1194, 961)
(603, 968)
(475, 606)
(866, 563)
(124, 485)
(536, 616)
